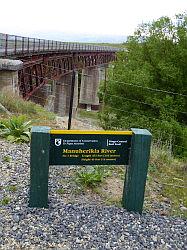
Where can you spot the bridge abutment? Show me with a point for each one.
(9, 75)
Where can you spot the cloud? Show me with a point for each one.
(98, 17)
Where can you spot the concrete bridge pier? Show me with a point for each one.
(90, 80)
(63, 93)
(50, 100)
(9, 75)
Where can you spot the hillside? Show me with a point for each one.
(87, 215)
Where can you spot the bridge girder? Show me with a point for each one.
(40, 69)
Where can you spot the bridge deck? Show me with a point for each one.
(16, 45)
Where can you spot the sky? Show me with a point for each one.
(82, 19)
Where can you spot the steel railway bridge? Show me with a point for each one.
(45, 59)
(49, 72)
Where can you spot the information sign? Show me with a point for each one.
(89, 147)
(71, 147)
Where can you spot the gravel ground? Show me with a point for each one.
(73, 226)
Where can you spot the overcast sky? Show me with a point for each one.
(93, 17)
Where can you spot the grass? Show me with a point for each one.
(17, 106)
(116, 45)
(88, 114)
(5, 201)
(7, 158)
(167, 178)
(12, 188)
(60, 191)
(113, 201)
(43, 117)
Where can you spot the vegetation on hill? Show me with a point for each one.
(31, 111)
(147, 88)
(115, 45)
(147, 85)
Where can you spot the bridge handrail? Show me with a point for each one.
(16, 45)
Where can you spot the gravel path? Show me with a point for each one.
(73, 226)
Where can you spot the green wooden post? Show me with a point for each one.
(39, 166)
(136, 173)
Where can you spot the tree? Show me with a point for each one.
(147, 85)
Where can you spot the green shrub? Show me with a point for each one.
(12, 188)
(146, 85)
(60, 191)
(16, 129)
(5, 201)
(91, 176)
(7, 158)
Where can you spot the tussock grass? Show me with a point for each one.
(17, 106)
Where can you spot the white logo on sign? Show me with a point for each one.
(58, 142)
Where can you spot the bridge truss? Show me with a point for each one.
(46, 59)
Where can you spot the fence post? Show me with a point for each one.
(136, 173)
(15, 45)
(71, 98)
(44, 45)
(6, 44)
(39, 166)
(23, 45)
(39, 45)
(28, 45)
(34, 45)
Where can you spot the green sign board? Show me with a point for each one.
(70, 147)
(89, 148)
